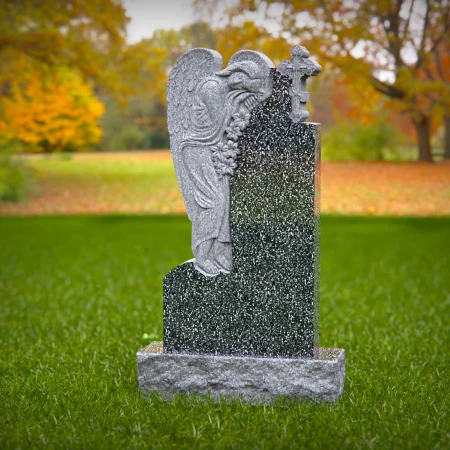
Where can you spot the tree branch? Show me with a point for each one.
(444, 31)
(424, 35)
(387, 89)
(408, 20)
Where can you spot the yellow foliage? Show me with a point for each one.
(248, 35)
(352, 100)
(146, 72)
(50, 111)
(87, 35)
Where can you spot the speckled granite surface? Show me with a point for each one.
(268, 305)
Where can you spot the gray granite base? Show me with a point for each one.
(252, 379)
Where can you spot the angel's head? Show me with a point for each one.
(247, 76)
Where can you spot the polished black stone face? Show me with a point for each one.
(268, 305)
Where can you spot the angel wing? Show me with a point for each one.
(189, 70)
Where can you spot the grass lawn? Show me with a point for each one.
(145, 183)
(78, 293)
(101, 183)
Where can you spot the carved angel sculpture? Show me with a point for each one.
(207, 110)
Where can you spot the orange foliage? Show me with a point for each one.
(50, 111)
(352, 100)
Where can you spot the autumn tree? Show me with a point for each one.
(389, 44)
(50, 111)
(440, 72)
(84, 35)
(50, 54)
(49, 50)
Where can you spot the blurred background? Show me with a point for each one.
(84, 78)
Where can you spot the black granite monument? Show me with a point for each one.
(241, 317)
(267, 305)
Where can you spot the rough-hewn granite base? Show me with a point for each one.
(253, 379)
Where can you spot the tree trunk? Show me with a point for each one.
(423, 138)
(447, 137)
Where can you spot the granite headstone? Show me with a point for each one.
(248, 167)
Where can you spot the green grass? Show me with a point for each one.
(78, 293)
(101, 183)
(108, 176)
(106, 170)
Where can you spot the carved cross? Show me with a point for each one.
(299, 68)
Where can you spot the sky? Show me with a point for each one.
(149, 15)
